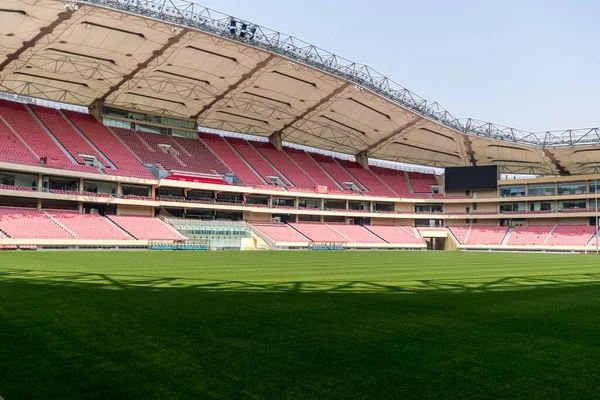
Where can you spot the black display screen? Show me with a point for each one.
(471, 178)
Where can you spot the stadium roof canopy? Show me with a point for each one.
(185, 60)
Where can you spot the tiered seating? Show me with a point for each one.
(318, 232)
(241, 170)
(66, 135)
(395, 179)
(311, 168)
(89, 226)
(12, 187)
(335, 170)
(37, 139)
(421, 183)
(279, 233)
(529, 235)
(395, 234)
(356, 233)
(286, 166)
(110, 146)
(145, 228)
(480, 235)
(368, 179)
(571, 235)
(460, 233)
(255, 160)
(23, 223)
(12, 149)
(197, 156)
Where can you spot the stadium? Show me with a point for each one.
(168, 130)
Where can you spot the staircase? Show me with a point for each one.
(64, 228)
(408, 182)
(507, 237)
(549, 235)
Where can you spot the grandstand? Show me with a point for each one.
(113, 161)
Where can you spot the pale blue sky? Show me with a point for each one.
(531, 64)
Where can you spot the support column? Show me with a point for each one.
(363, 159)
(96, 109)
(276, 141)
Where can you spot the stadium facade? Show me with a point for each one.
(135, 171)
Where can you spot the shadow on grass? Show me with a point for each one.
(458, 286)
(102, 336)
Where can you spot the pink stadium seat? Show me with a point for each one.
(318, 232)
(421, 183)
(311, 168)
(479, 235)
(529, 235)
(335, 170)
(66, 135)
(395, 179)
(13, 150)
(110, 146)
(368, 179)
(24, 223)
(285, 165)
(21, 120)
(146, 228)
(89, 226)
(279, 232)
(241, 170)
(396, 234)
(255, 159)
(571, 235)
(356, 234)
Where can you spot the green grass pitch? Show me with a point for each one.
(299, 325)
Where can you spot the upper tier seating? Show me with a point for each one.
(279, 232)
(356, 233)
(12, 150)
(568, 235)
(421, 183)
(395, 179)
(529, 235)
(368, 179)
(395, 234)
(318, 232)
(312, 169)
(285, 165)
(66, 135)
(145, 228)
(23, 223)
(480, 235)
(255, 159)
(30, 131)
(89, 226)
(110, 146)
(188, 155)
(335, 170)
(233, 161)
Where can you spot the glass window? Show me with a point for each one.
(541, 206)
(512, 191)
(572, 188)
(541, 189)
(512, 207)
(573, 204)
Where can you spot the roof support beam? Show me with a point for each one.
(402, 129)
(470, 151)
(234, 86)
(561, 170)
(313, 107)
(44, 31)
(155, 54)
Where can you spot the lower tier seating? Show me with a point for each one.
(571, 235)
(145, 228)
(479, 235)
(89, 226)
(318, 232)
(395, 234)
(279, 232)
(356, 234)
(23, 223)
(530, 235)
